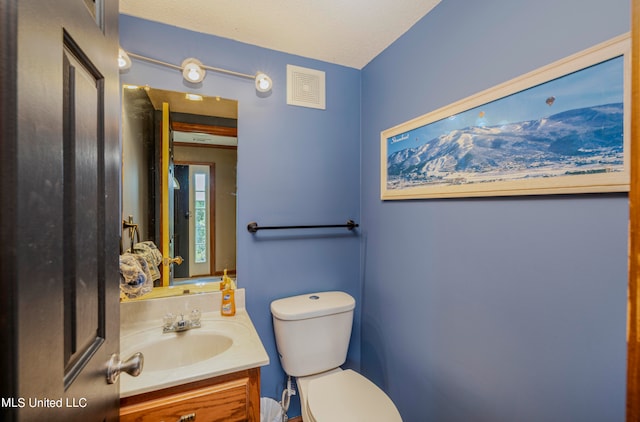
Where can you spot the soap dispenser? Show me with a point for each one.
(228, 306)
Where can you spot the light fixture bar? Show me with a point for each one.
(149, 59)
(173, 66)
(229, 72)
(262, 81)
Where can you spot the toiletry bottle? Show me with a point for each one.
(228, 307)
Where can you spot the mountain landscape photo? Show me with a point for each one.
(579, 141)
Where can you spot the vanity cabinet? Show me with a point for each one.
(226, 398)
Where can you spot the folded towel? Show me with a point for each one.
(149, 251)
(135, 278)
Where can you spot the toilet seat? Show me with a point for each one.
(348, 396)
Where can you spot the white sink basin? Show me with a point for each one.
(175, 350)
(222, 345)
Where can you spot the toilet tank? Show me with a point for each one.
(312, 331)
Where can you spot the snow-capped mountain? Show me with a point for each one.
(584, 140)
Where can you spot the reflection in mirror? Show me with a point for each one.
(179, 185)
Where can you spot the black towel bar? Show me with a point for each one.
(253, 226)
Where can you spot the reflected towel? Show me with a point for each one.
(149, 251)
(135, 278)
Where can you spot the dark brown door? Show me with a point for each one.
(181, 217)
(60, 160)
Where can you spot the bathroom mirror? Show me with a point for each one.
(179, 183)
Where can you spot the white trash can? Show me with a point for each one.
(270, 410)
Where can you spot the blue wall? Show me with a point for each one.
(295, 166)
(490, 309)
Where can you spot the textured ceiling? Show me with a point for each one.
(346, 32)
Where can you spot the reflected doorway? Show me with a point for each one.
(194, 202)
(204, 229)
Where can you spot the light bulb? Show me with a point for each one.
(263, 82)
(193, 71)
(124, 62)
(193, 74)
(194, 97)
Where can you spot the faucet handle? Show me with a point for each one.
(168, 320)
(195, 317)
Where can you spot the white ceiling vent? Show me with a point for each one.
(305, 87)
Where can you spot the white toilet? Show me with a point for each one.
(312, 336)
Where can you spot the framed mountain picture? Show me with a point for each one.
(563, 128)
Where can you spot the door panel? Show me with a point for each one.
(83, 191)
(60, 235)
(182, 217)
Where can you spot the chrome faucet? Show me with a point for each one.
(172, 324)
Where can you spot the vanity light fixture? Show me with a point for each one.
(263, 82)
(124, 62)
(194, 71)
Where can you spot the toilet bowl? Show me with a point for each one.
(344, 396)
(312, 336)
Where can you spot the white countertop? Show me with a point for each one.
(141, 325)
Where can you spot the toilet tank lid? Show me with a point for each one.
(312, 305)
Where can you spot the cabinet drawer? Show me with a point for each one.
(224, 402)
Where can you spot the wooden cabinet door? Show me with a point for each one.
(229, 398)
